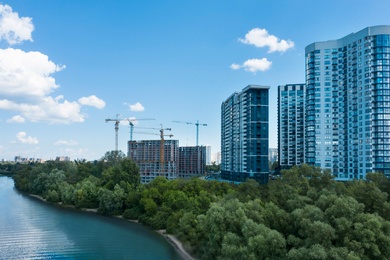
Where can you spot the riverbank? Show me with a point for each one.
(177, 244)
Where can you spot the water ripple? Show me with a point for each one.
(31, 229)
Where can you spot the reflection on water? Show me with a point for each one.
(31, 229)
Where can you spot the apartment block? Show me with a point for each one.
(347, 122)
(154, 160)
(244, 135)
(192, 161)
(291, 124)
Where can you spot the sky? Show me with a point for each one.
(67, 66)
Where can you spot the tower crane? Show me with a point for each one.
(131, 125)
(197, 128)
(117, 121)
(162, 161)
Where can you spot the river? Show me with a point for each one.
(32, 229)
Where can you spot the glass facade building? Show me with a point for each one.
(291, 124)
(244, 135)
(347, 121)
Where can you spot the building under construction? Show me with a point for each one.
(153, 160)
(170, 162)
(192, 161)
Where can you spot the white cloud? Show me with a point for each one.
(16, 119)
(253, 65)
(260, 38)
(22, 137)
(14, 29)
(26, 74)
(26, 82)
(92, 101)
(137, 107)
(235, 66)
(65, 143)
(48, 109)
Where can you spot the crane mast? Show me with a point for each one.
(117, 121)
(162, 158)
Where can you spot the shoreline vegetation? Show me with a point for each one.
(177, 244)
(303, 214)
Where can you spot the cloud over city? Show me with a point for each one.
(26, 79)
(92, 101)
(253, 65)
(22, 138)
(137, 107)
(261, 38)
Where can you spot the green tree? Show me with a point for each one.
(112, 158)
(85, 194)
(111, 202)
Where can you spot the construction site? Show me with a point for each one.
(162, 158)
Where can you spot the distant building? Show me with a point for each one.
(20, 159)
(63, 158)
(208, 155)
(273, 154)
(174, 162)
(291, 124)
(347, 123)
(216, 158)
(192, 161)
(154, 162)
(244, 135)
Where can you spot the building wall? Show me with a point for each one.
(291, 124)
(146, 154)
(216, 157)
(347, 103)
(192, 161)
(208, 155)
(244, 135)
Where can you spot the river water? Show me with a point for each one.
(32, 229)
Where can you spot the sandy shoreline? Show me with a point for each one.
(170, 238)
(176, 244)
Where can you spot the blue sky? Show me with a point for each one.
(66, 66)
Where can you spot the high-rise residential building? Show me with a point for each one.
(291, 124)
(244, 135)
(153, 160)
(347, 122)
(216, 158)
(192, 161)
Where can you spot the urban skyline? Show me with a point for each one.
(339, 120)
(167, 61)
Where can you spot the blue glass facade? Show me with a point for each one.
(244, 135)
(291, 124)
(347, 128)
(381, 103)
